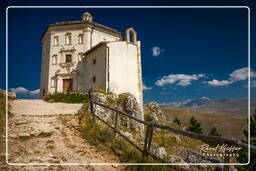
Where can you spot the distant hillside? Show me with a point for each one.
(230, 126)
(187, 103)
(231, 106)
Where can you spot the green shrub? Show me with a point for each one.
(110, 100)
(213, 132)
(243, 154)
(148, 117)
(67, 98)
(176, 121)
(195, 126)
(103, 92)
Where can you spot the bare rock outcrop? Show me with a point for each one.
(155, 112)
(124, 102)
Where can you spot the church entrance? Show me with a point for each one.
(67, 85)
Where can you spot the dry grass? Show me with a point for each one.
(2, 114)
(103, 138)
(230, 126)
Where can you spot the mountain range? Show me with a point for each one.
(232, 106)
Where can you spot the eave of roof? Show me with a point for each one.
(95, 47)
(81, 22)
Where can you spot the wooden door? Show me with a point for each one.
(67, 85)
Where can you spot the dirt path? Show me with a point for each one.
(40, 107)
(52, 139)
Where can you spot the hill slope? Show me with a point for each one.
(230, 126)
(231, 106)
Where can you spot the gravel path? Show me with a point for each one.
(38, 138)
(40, 107)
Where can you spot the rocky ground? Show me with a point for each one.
(51, 138)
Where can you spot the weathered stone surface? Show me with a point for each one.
(24, 136)
(192, 156)
(124, 102)
(176, 138)
(129, 104)
(154, 110)
(128, 134)
(45, 134)
(160, 152)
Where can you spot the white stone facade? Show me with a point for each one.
(80, 55)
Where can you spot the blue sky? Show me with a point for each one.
(186, 53)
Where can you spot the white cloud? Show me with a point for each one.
(219, 83)
(237, 75)
(24, 91)
(253, 83)
(35, 92)
(19, 90)
(144, 87)
(178, 79)
(241, 74)
(156, 51)
(165, 93)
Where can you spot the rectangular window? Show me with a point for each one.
(80, 56)
(81, 38)
(53, 82)
(94, 61)
(68, 38)
(94, 79)
(68, 58)
(56, 40)
(54, 59)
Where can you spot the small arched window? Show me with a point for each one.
(53, 82)
(131, 35)
(54, 59)
(80, 39)
(68, 38)
(56, 40)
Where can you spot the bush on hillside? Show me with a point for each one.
(195, 126)
(176, 121)
(243, 154)
(67, 98)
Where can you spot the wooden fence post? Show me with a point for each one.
(226, 160)
(116, 123)
(150, 137)
(91, 104)
(146, 141)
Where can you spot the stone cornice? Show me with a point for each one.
(82, 23)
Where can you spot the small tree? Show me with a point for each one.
(243, 155)
(195, 126)
(176, 121)
(213, 132)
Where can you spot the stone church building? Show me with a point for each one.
(80, 55)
